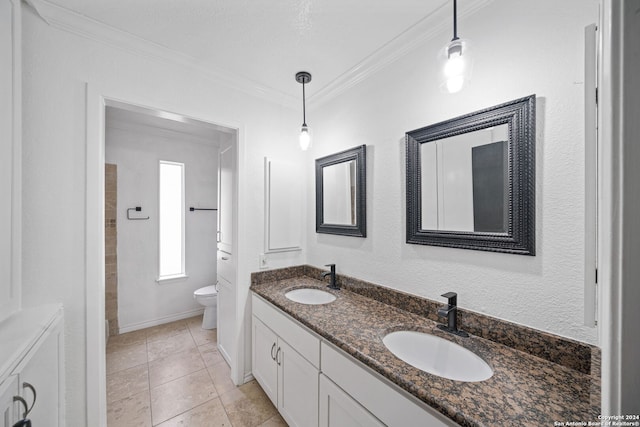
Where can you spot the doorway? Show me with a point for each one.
(97, 102)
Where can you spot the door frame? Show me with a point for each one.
(97, 99)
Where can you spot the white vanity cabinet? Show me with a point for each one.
(32, 358)
(286, 361)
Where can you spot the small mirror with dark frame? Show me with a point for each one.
(471, 180)
(341, 193)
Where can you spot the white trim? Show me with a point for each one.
(248, 377)
(96, 101)
(173, 278)
(94, 261)
(83, 26)
(591, 173)
(161, 320)
(268, 248)
(609, 212)
(619, 244)
(430, 26)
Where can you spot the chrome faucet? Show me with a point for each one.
(450, 311)
(332, 273)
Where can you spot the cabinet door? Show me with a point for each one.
(297, 388)
(226, 318)
(265, 368)
(225, 199)
(42, 372)
(10, 412)
(338, 409)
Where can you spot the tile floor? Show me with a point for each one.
(173, 375)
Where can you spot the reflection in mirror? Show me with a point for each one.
(339, 188)
(341, 193)
(465, 182)
(471, 180)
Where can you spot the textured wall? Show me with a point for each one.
(520, 48)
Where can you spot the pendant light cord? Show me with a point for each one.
(304, 112)
(455, 21)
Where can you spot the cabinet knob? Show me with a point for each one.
(278, 356)
(272, 348)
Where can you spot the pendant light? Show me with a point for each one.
(305, 133)
(456, 58)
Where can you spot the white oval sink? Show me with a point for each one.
(437, 356)
(310, 296)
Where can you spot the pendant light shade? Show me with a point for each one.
(305, 133)
(456, 60)
(305, 137)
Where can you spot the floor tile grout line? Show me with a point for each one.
(188, 410)
(224, 407)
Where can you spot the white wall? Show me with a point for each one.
(137, 150)
(57, 64)
(520, 48)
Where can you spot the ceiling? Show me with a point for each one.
(264, 43)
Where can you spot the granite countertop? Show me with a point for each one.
(524, 389)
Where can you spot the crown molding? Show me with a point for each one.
(409, 40)
(73, 22)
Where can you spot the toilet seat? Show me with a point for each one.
(207, 291)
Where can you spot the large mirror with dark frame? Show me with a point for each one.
(341, 193)
(471, 180)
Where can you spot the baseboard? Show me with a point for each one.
(248, 376)
(160, 321)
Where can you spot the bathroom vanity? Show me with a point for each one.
(311, 382)
(329, 360)
(32, 367)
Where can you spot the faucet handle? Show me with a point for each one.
(332, 266)
(452, 297)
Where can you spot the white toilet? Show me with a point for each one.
(208, 296)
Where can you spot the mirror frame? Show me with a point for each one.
(519, 115)
(360, 228)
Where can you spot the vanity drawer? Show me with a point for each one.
(296, 335)
(387, 402)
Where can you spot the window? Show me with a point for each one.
(171, 220)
